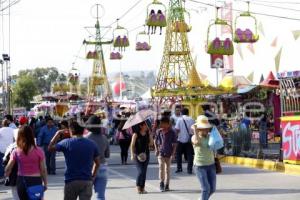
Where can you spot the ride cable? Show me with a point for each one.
(256, 13)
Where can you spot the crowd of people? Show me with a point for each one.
(28, 150)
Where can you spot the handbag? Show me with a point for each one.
(190, 136)
(215, 141)
(142, 157)
(218, 166)
(35, 192)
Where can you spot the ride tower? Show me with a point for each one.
(177, 60)
(99, 88)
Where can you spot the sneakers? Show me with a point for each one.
(178, 171)
(162, 186)
(167, 187)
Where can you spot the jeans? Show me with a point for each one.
(81, 189)
(184, 148)
(124, 145)
(164, 169)
(100, 183)
(50, 160)
(207, 178)
(1, 166)
(142, 172)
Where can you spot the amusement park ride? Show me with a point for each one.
(178, 80)
(98, 82)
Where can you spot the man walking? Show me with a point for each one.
(6, 138)
(165, 148)
(46, 134)
(82, 162)
(184, 145)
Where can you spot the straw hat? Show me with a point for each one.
(202, 122)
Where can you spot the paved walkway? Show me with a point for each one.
(235, 183)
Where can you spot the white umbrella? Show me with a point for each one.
(139, 117)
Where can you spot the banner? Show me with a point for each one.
(261, 28)
(250, 47)
(296, 34)
(226, 14)
(250, 77)
(277, 60)
(274, 43)
(240, 51)
(291, 139)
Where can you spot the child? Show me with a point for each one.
(165, 148)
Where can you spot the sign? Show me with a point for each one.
(19, 111)
(217, 61)
(291, 139)
(292, 74)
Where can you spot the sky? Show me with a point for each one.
(49, 33)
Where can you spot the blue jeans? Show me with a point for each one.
(50, 160)
(1, 166)
(100, 183)
(142, 172)
(207, 179)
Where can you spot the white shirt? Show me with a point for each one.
(6, 138)
(184, 136)
(175, 118)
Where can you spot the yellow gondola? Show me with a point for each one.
(182, 26)
(247, 35)
(156, 16)
(142, 42)
(120, 38)
(219, 45)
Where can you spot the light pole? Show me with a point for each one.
(6, 59)
(2, 82)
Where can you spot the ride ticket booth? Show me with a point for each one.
(290, 110)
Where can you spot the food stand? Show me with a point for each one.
(290, 111)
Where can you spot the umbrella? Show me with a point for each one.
(139, 117)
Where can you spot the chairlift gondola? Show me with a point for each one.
(92, 55)
(247, 35)
(156, 16)
(120, 38)
(220, 45)
(142, 41)
(183, 26)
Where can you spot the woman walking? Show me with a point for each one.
(100, 139)
(124, 139)
(140, 143)
(31, 163)
(204, 157)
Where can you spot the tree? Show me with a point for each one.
(43, 77)
(24, 90)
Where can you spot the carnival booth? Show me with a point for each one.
(290, 111)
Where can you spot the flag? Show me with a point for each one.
(277, 60)
(261, 78)
(239, 49)
(251, 48)
(250, 77)
(261, 28)
(296, 34)
(274, 43)
(226, 14)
